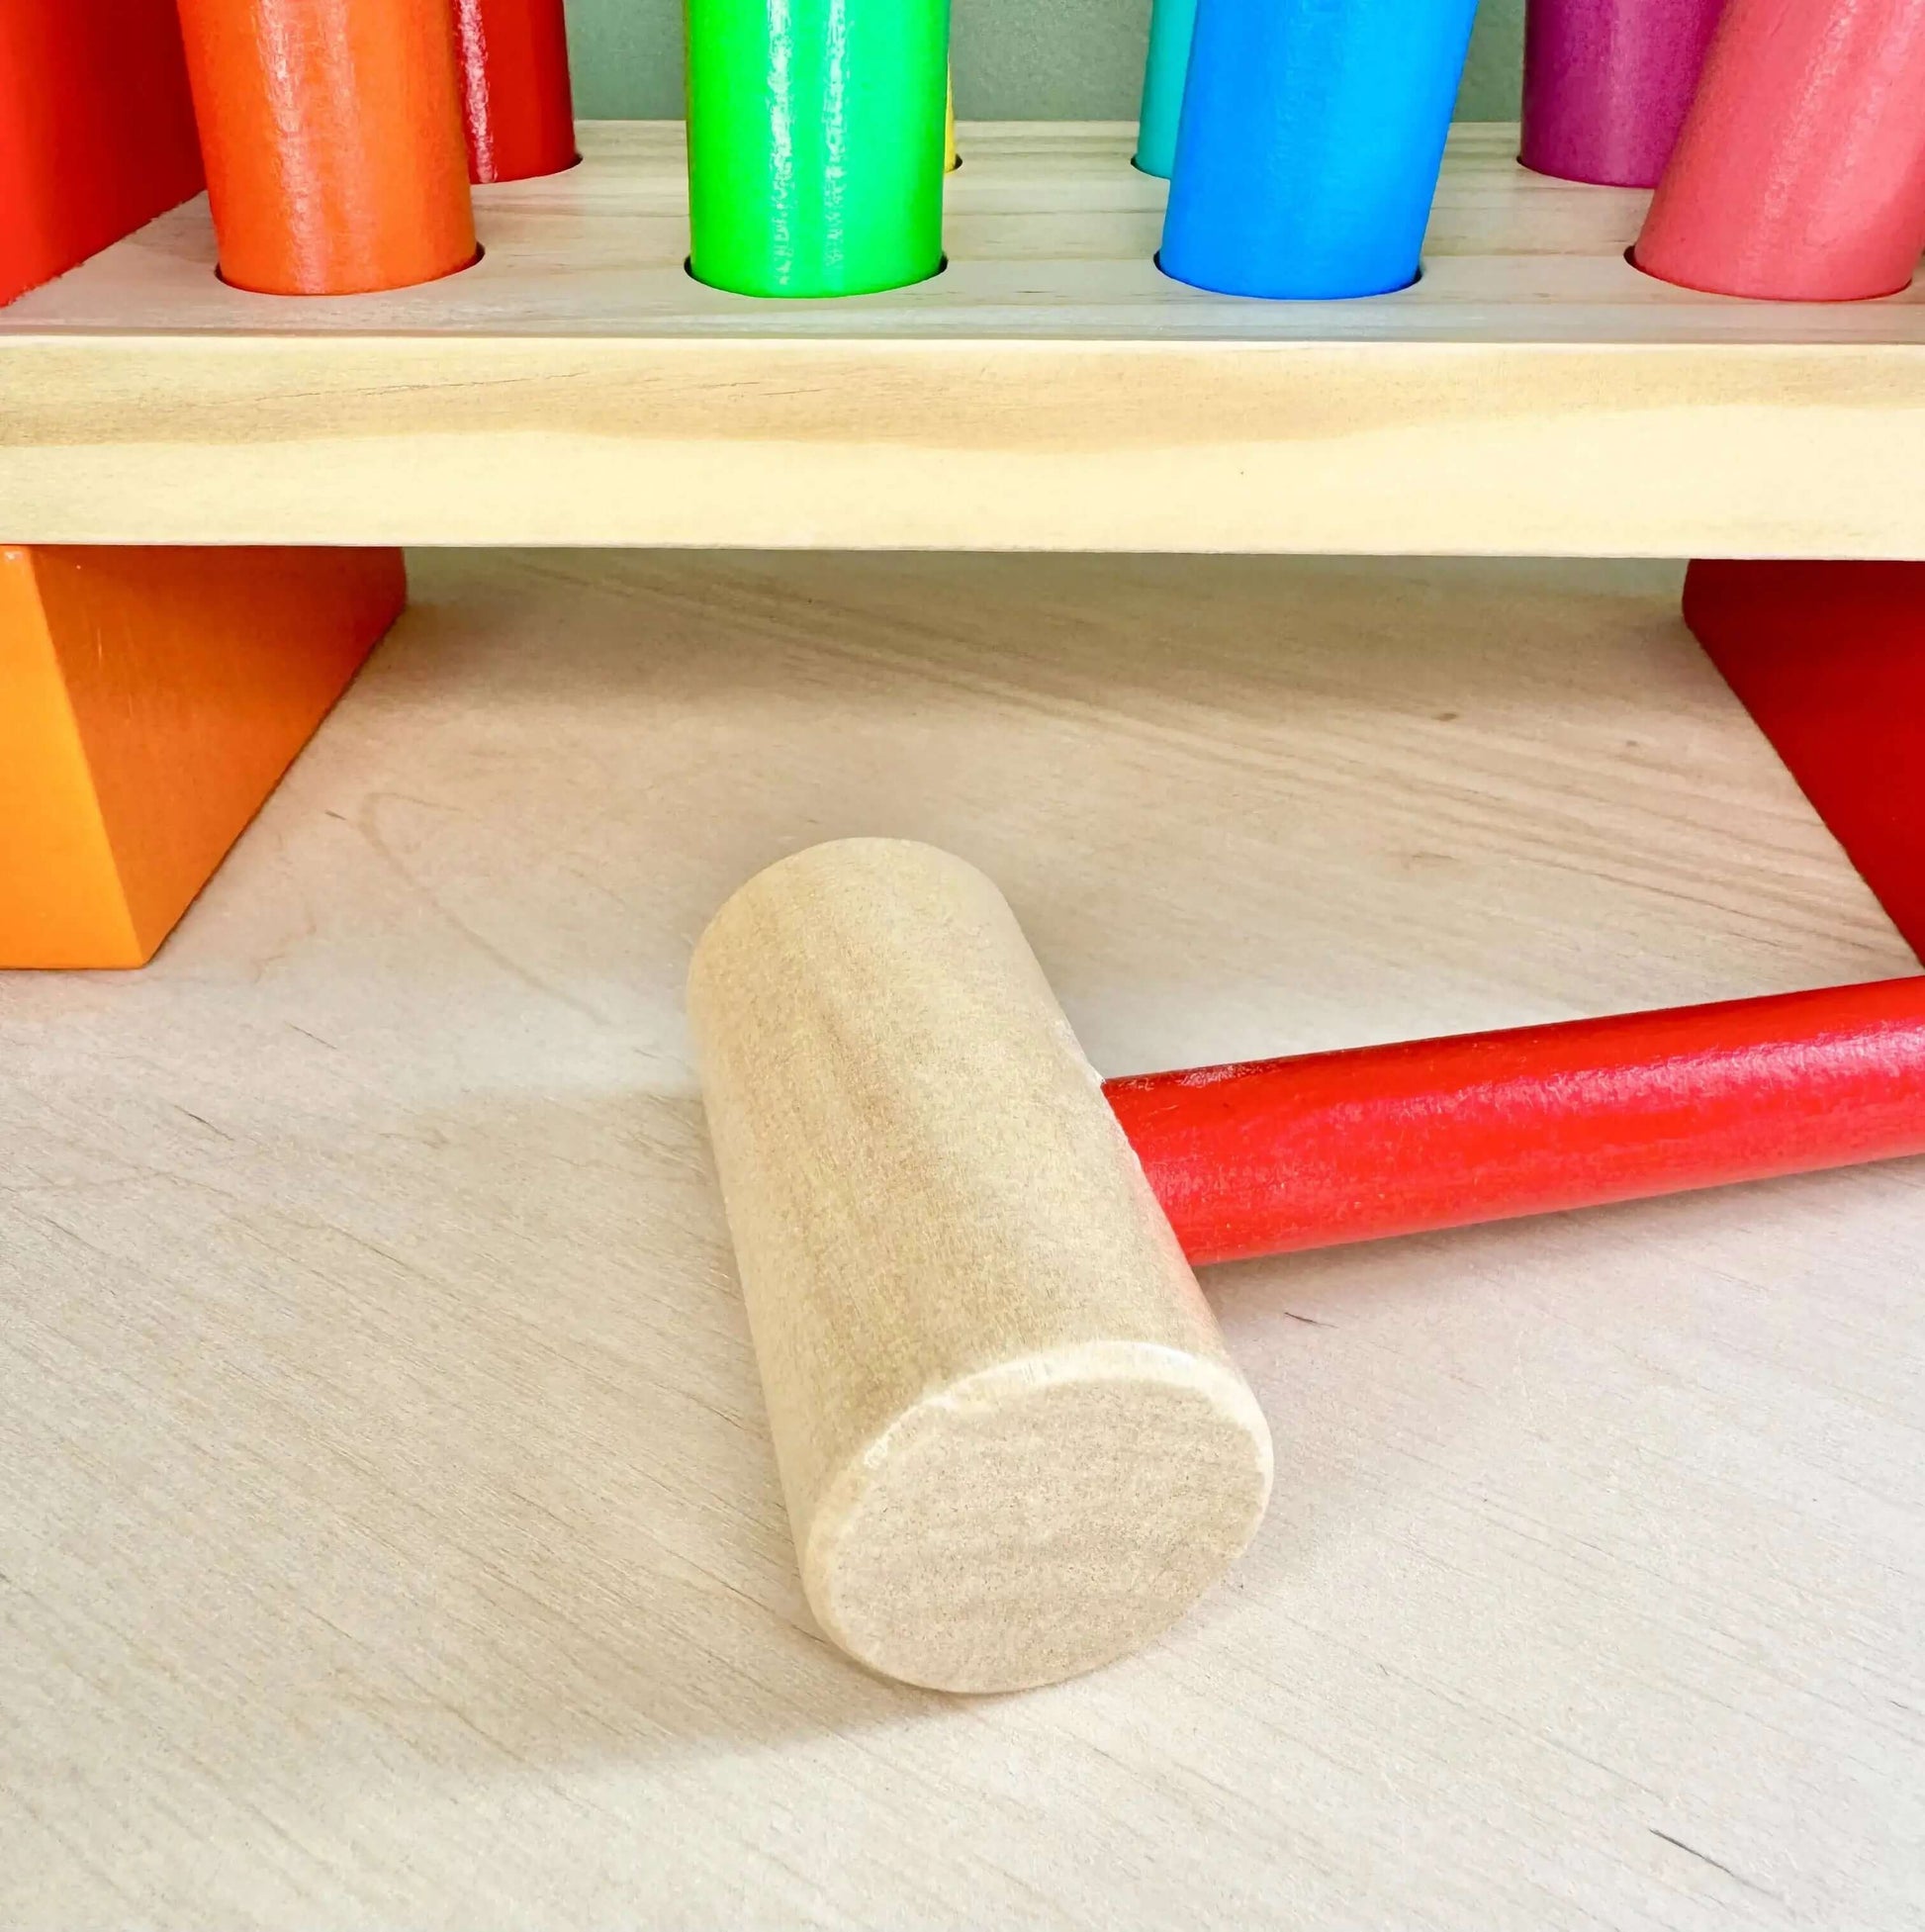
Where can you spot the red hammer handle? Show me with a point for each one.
(1275, 1156)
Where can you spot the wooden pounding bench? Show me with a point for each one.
(392, 1530)
(1534, 394)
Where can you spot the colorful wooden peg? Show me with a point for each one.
(517, 100)
(1310, 144)
(816, 147)
(1799, 174)
(1166, 62)
(332, 129)
(1606, 85)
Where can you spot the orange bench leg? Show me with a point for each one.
(149, 701)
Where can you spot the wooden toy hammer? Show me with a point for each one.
(1013, 1444)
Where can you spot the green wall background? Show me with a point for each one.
(1015, 60)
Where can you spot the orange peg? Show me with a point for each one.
(333, 132)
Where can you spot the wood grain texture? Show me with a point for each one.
(1012, 1445)
(389, 1521)
(1050, 390)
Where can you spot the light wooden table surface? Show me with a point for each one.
(388, 1532)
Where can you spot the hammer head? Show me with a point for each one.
(1012, 1443)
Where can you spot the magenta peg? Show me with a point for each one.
(1607, 83)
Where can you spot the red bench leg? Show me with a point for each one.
(96, 130)
(1829, 659)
